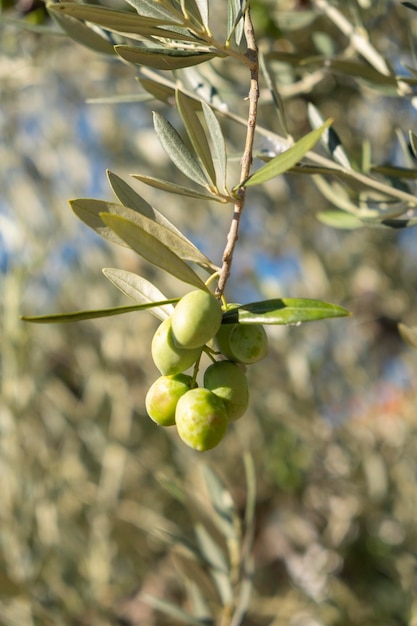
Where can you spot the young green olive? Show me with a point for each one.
(196, 319)
(227, 380)
(245, 343)
(163, 395)
(167, 356)
(201, 419)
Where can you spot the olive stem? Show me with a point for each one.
(246, 162)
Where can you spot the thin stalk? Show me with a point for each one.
(246, 162)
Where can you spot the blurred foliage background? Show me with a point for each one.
(85, 502)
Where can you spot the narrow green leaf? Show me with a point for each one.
(89, 211)
(163, 58)
(150, 8)
(283, 311)
(171, 609)
(393, 171)
(152, 249)
(339, 219)
(82, 33)
(217, 140)
(177, 151)
(196, 133)
(158, 183)
(139, 289)
(203, 7)
(160, 92)
(329, 138)
(133, 200)
(78, 316)
(283, 162)
(275, 95)
(125, 22)
(234, 21)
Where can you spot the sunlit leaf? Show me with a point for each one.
(163, 58)
(157, 90)
(329, 138)
(151, 248)
(284, 161)
(158, 183)
(203, 7)
(177, 151)
(150, 8)
(133, 200)
(125, 22)
(139, 289)
(217, 140)
(196, 134)
(78, 316)
(339, 219)
(82, 33)
(283, 311)
(234, 21)
(89, 211)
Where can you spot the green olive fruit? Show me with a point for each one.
(201, 419)
(196, 319)
(229, 382)
(168, 358)
(163, 395)
(245, 343)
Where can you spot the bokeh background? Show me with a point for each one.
(332, 420)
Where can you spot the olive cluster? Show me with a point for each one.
(201, 414)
